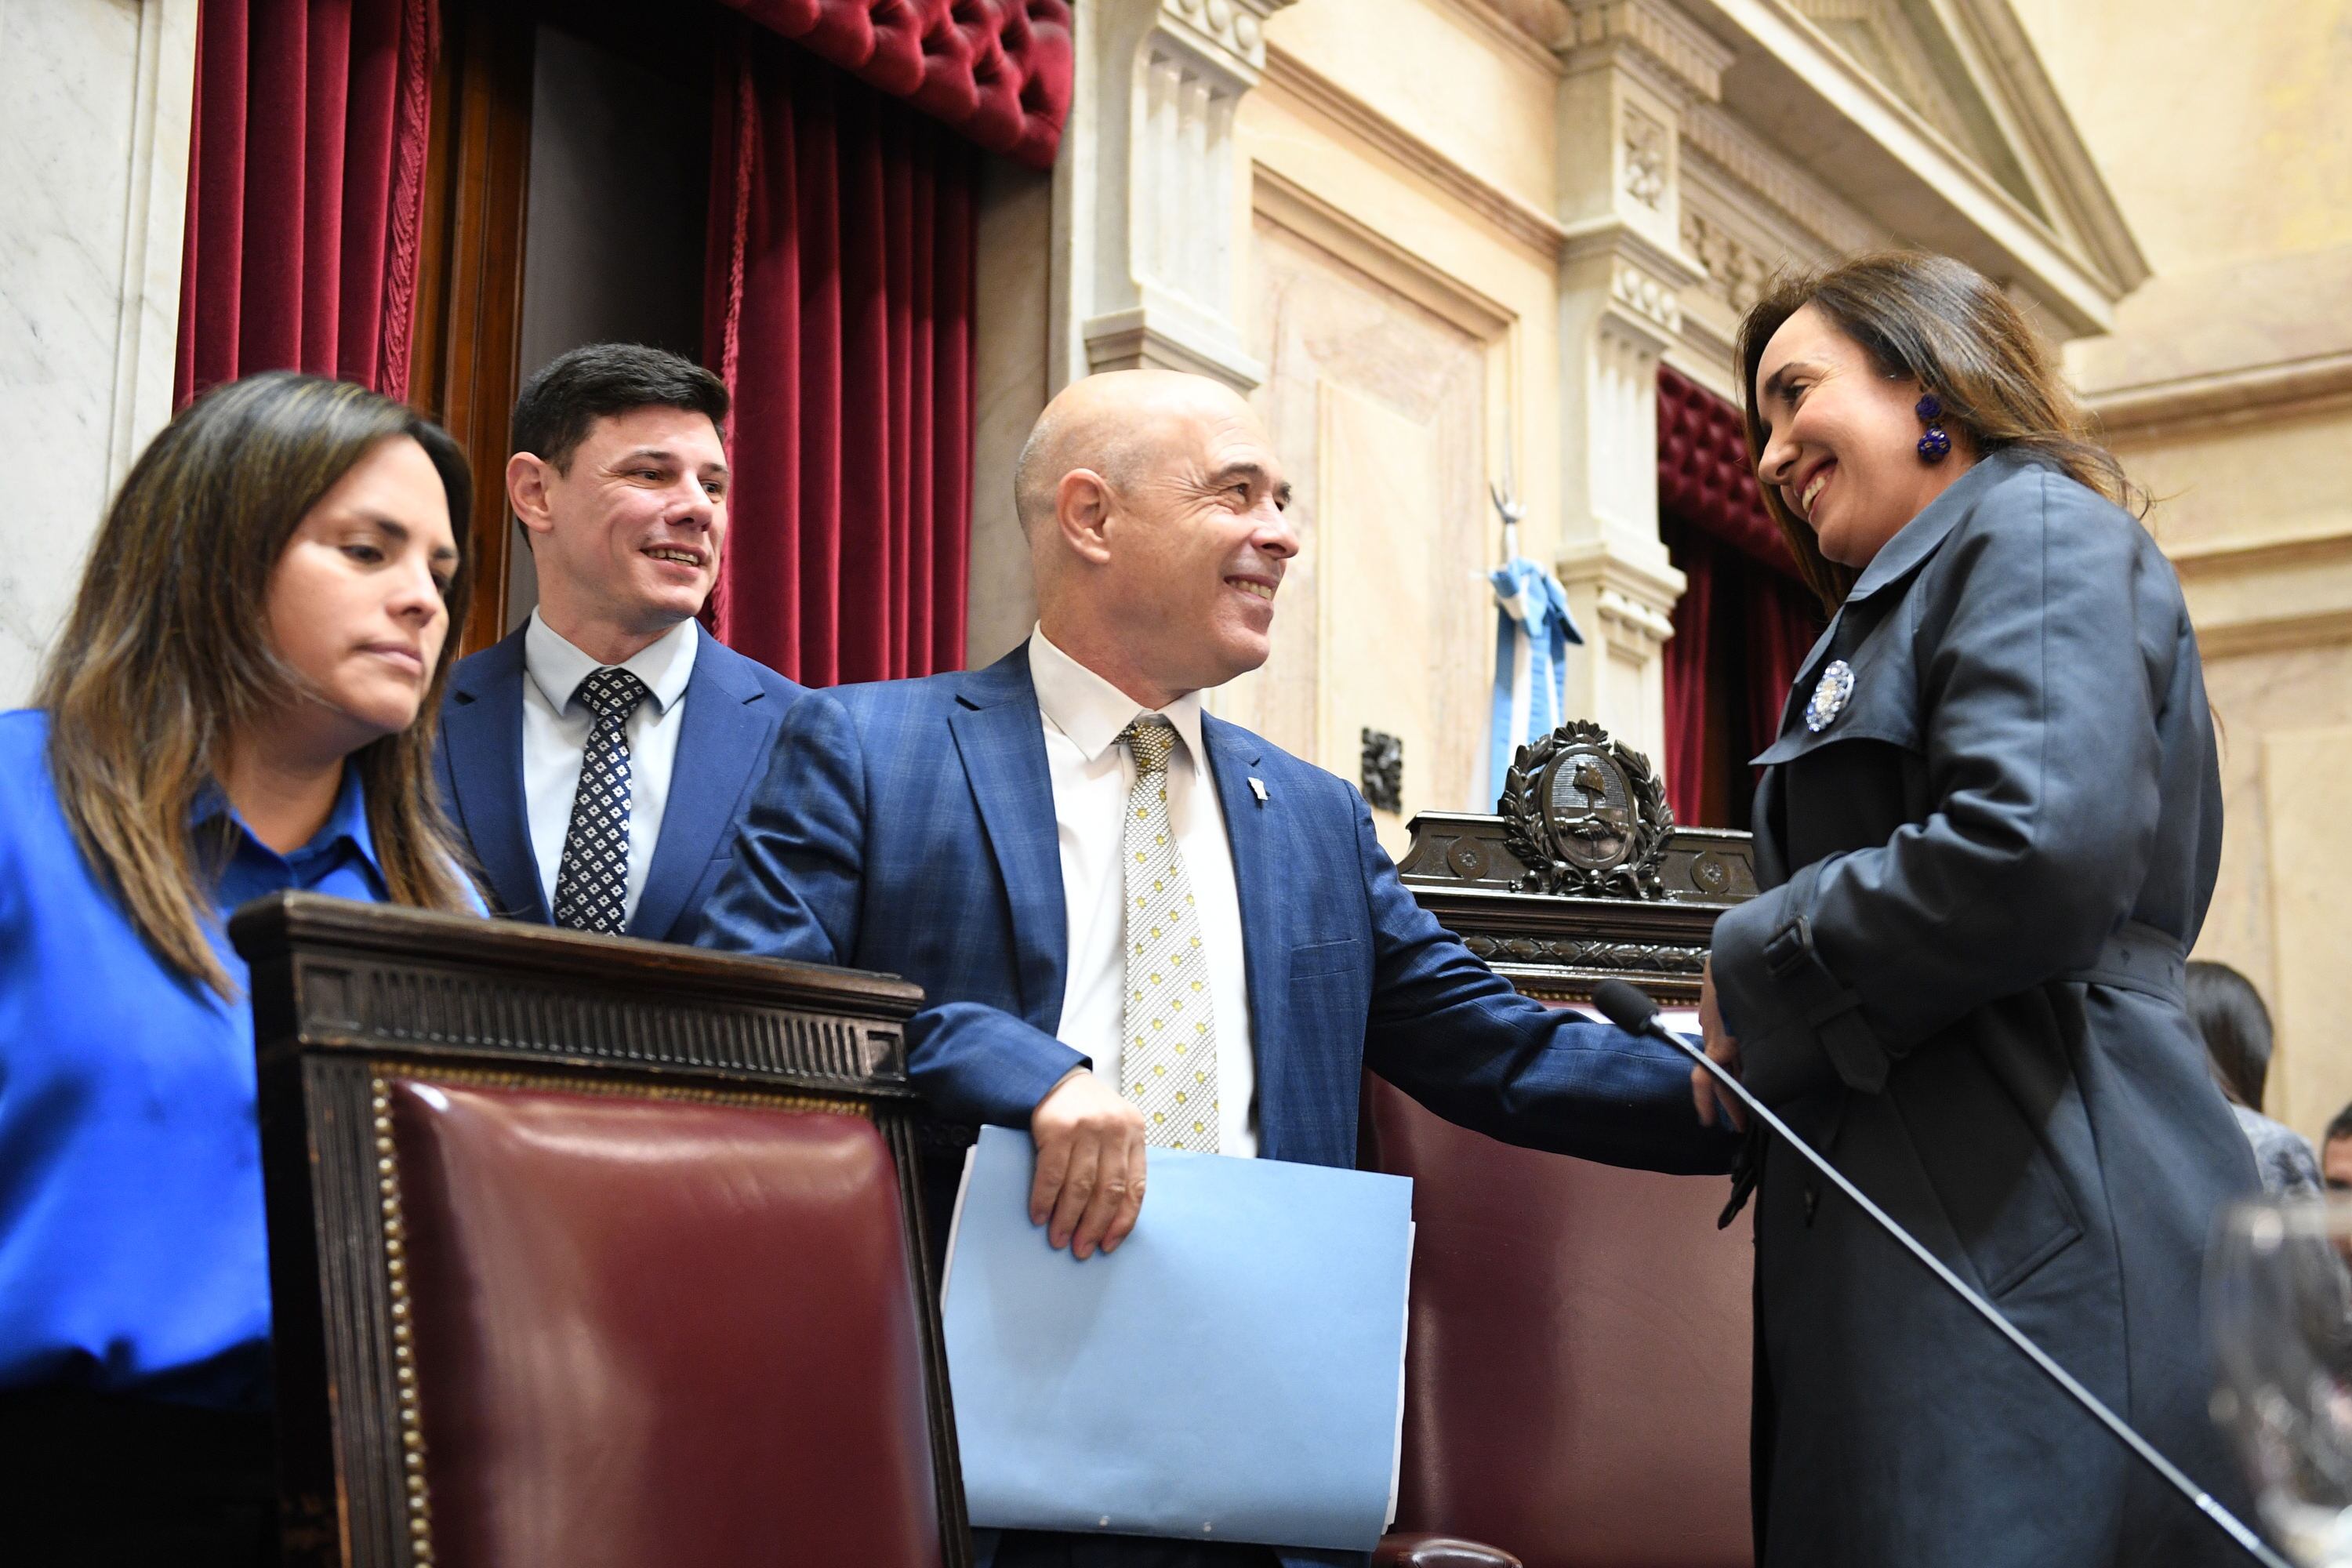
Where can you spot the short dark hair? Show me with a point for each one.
(2230, 1014)
(2339, 1128)
(572, 391)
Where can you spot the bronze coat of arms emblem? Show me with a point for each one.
(1586, 814)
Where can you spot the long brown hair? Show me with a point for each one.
(166, 656)
(1942, 323)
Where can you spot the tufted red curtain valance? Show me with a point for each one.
(1745, 619)
(306, 185)
(1705, 477)
(996, 71)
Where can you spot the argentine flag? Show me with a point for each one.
(1532, 631)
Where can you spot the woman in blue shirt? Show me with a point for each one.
(242, 700)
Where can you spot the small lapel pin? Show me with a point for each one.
(1257, 788)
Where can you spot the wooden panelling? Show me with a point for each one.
(469, 289)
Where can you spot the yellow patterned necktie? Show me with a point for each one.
(1168, 1062)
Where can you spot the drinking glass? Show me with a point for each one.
(2278, 1292)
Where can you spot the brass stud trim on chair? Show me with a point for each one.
(396, 1262)
(635, 1088)
(395, 1229)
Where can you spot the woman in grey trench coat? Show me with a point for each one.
(1989, 830)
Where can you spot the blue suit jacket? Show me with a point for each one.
(909, 827)
(733, 705)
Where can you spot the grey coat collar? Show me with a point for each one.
(1918, 538)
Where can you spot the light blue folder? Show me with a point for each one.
(1234, 1371)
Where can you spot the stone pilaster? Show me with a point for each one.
(95, 105)
(1147, 224)
(1633, 68)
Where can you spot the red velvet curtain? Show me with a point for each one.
(305, 184)
(1746, 620)
(1783, 622)
(1686, 662)
(839, 310)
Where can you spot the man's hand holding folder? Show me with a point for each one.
(1088, 1187)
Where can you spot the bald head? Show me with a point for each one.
(1121, 425)
(1155, 510)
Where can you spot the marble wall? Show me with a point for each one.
(2227, 389)
(94, 114)
(1376, 406)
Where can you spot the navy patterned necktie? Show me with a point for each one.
(592, 883)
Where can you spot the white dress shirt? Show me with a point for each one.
(555, 733)
(1092, 773)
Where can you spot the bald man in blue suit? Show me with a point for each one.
(1002, 838)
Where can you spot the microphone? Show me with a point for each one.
(1630, 1008)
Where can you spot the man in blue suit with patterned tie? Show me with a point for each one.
(599, 758)
(1138, 924)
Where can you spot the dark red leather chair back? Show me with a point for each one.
(592, 1253)
(1577, 1373)
(656, 1331)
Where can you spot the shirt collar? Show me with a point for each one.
(347, 822)
(1093, 712)
(557, 667)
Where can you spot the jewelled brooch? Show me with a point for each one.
(1830, 696)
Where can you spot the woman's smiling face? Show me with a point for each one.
(1842, 440)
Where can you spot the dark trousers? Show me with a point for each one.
(1038, 1549)
(91, 1481)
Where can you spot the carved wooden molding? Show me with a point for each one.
(1560, 946)
(1638, 901)
(454, 987)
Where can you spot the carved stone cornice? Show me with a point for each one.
(1827, 107)
(1516, 217)
(1644, 280)
(2268, 594)
(1144, 193)
(1711, 133)
(2261, 392)
(1736, 272)
(1227, 34)
(1166, 336)
(1634, 598)
(1651, 34)
(1529, 29)
(2046, 134)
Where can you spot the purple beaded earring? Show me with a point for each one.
(1934, 446)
